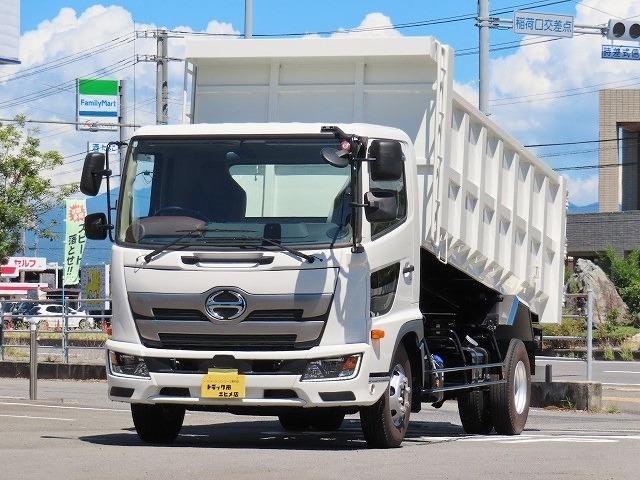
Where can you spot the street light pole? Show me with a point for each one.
(248, 18)
(483, 63)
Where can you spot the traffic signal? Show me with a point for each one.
(623, 30)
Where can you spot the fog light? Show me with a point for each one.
(122, 364)
(341, 368)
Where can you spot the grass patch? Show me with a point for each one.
(567, 404)
(613, 409)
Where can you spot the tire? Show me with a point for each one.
(157, 423)
(383, 425)
(317, 420)
(82, 325)
(510, 401)
(474, 407)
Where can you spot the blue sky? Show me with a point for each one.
(277, 16)
(521, 78)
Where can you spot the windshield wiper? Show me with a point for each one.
(201, 231)
(293, 251)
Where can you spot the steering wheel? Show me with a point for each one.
(188, 212)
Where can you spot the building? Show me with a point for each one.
(617, 224)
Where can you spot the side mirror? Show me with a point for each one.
(337, 158)
(388, 160)
(96, 226)
(92, 173)
(380, 207)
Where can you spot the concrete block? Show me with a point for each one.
(581, 395)
(54, 371)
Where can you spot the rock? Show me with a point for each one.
(587, 275)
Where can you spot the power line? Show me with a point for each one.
(595, 166)
(68, 59)
(67, 85)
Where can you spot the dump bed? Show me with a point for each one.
(488, 206)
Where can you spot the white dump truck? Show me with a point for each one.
(332, 231)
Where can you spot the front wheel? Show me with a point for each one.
(510, 400)
(385, 423)
(157, 423)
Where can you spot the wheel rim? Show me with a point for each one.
(399, 400)
(520, 387)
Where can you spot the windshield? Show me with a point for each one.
(238, 190)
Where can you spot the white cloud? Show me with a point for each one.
(374, 24)
(70, 32)
(583, 191)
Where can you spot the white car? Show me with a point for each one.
(50, 316)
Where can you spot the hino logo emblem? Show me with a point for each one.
(225, 305)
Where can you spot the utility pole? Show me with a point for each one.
(162, 88)
(483, 63)
(123, 120)
(248, 18)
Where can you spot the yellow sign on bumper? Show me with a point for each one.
(223, 384)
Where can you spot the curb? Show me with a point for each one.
(577, 395)
(54, 371)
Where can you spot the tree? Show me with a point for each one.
(26, 192)
(624, 272)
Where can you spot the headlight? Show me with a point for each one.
(341, 368)
(122, 364)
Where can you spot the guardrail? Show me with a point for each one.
(66, 323)
(588, 338)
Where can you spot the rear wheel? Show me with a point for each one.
(510, 400)
(157, 423)
(385, 423)
(82, 325)
(474, 407)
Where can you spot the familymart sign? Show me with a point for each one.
(98, 104)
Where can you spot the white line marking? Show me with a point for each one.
(620, 371)
(622, 384)
(38, 418)
(64, 407)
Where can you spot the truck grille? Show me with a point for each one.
(229, 342)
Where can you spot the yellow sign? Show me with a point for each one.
(223, 384)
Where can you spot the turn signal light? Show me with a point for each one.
(377, 334)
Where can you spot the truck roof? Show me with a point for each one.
(293, 128)
(202, 50)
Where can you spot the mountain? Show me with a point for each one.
(590, 208)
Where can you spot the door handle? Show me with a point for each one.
(408, 269)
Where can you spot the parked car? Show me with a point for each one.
(50, 316)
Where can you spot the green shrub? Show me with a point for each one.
(626, 354)
(608, 353)
(624, 272)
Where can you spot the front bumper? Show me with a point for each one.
(362, 390)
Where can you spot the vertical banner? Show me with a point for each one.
(74, 240)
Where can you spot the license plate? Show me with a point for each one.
(223, 385)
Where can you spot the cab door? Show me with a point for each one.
(392, 246)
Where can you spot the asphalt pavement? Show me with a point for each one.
(74, 432)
